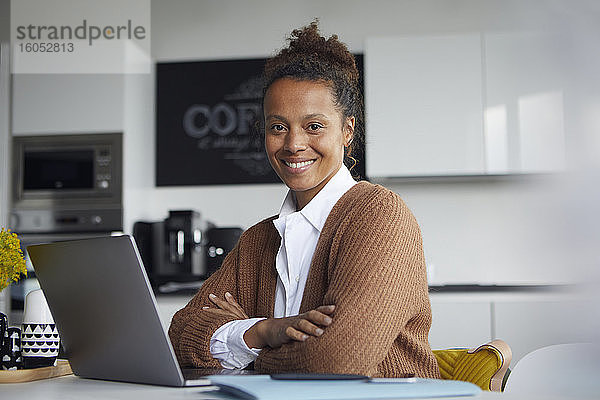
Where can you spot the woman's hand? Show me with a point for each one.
(229, 305)
(274, 332)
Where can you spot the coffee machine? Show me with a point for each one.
(220, 242)
(174, 250)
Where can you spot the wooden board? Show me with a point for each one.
(27, 375)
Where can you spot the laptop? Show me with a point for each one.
(105, 311)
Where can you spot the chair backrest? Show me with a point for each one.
(486, 366)
(564, 370)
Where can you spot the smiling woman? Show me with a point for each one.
(335, 282)
(305, 135)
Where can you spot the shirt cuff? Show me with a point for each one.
(228, 346)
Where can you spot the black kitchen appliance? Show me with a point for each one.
(220, 242)
(179, 247)
(173, 250)
(181, 251)
(67, 183)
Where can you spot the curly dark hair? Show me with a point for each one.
(311, 57)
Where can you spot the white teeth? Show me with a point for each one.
(298, 165)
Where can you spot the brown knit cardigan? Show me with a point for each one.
(368, 262)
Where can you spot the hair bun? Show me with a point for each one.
(308, 44)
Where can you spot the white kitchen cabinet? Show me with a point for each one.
(423, 99)
(526, 320)
(67, 103)
(525, 85)
(468, 104)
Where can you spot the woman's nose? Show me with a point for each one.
(294, 141)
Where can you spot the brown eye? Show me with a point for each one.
(314, 127)
(277, 128)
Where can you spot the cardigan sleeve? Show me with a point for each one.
(377, 281)
(191, 327)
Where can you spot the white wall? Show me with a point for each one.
(4, 132)
(481, 231)
(5, 142)
(65, 103)
(184, 29)
(4, 114)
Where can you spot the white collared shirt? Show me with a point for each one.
(299, 231)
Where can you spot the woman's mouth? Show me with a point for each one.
(297, 167)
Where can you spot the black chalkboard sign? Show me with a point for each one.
(208, 124)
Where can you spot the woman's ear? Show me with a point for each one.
(349, 130)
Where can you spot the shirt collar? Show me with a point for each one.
(317, 210)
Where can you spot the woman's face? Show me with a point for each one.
(304, 135)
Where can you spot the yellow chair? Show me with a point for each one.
(486, 366)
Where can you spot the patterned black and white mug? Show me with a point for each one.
(11, 354)
(3, 328)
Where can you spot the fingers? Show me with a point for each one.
(219, 312)
(318, 317)
(308, 327)
(326, 309)
(218, 302)
(228, 306)
(229, 298)
(311, 323)
(295, 334)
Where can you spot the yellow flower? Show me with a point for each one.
(12, 262)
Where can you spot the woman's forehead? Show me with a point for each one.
(299, 96)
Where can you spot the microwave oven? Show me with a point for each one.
(70, 182)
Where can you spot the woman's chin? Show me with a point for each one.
(295, 182)
(297, 188)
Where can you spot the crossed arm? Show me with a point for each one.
(376, 285)
(213, 306)
(274, 332)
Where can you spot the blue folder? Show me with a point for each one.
(262, 387)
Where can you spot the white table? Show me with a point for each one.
(73, 388)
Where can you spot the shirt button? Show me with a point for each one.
(298, 279)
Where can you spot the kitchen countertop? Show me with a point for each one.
(450, 288)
